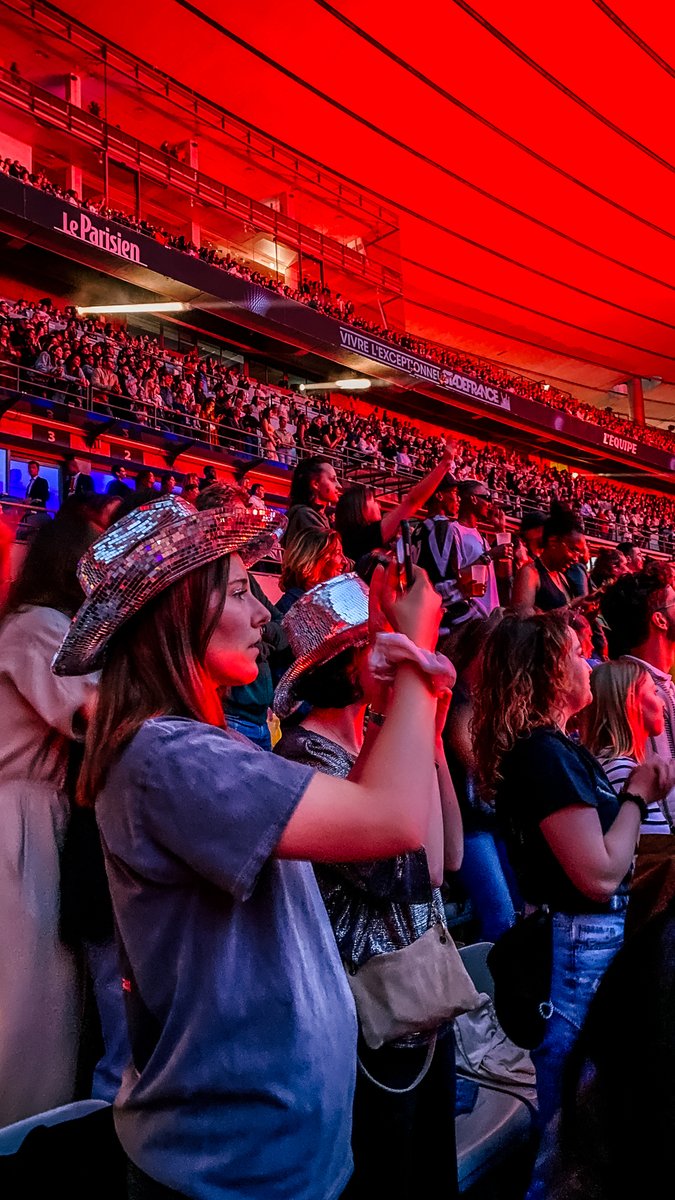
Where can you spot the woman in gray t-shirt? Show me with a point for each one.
(242, 1027)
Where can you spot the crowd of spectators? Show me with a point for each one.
(76, 357)
(317, 296)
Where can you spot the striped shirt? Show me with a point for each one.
(619, 771)
(661, 818)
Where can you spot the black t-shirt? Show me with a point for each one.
(543, 773)
(362, 539)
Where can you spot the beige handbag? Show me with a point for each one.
(411, 990)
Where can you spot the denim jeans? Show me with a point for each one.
(259, 734)
(487, 876)
(583, 948)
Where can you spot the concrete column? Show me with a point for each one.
(188, 153)
(74, 178)
(193, 162)
(194, 229)
(636, 400)
(74, 89)
(73, 94)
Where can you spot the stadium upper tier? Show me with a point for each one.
(320, 298)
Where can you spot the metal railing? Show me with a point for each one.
(154, 164)
(251, 445)
(20, 518)
(147, 414)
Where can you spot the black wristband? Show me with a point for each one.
(642, 804)
(375, 718)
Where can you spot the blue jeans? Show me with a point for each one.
(583, 948)
(486, 875)
(259, 734)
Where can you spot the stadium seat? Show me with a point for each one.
(71, 1150)
(13, 1136)
(498, 1129)
(498, 1125)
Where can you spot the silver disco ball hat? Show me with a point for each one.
(328, 619)
(144, 553)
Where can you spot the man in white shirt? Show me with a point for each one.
(460, 546)
(256, 497)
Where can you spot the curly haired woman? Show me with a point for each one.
(571, 838)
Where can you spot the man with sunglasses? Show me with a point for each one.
(459, 548)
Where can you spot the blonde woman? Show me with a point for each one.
(626, 712)
(313, 556)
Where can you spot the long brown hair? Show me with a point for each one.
(350, 511)
(155, 667)
(521, 687)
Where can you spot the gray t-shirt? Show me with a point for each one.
(247, 1075)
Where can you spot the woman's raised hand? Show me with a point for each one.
(377, 621)
(416, 613)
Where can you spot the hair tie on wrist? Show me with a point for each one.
(641, 803)
(375, 718)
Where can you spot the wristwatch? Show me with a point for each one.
(376, 718)
(641, 803)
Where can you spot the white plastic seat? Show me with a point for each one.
(12, 1136)
(497, 1125)
(500, 1122)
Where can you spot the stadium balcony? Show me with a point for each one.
(463, 391)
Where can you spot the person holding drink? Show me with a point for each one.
(468, 583)
(502, 553)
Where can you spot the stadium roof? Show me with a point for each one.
(528, 149)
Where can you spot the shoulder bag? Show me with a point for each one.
(520, 963)
(411, 990)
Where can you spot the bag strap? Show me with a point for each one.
(418, 1079)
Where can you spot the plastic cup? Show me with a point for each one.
(477, 579)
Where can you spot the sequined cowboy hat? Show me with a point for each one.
(144, 553)
(328, 619)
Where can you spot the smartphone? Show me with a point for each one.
(404, 554)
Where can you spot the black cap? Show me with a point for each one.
(473, 487)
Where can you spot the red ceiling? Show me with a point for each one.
(529, 148)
